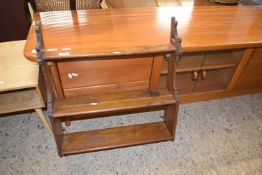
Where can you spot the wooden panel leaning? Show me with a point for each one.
(21, 85)
(104, 103)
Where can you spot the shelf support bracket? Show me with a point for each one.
(175, 40)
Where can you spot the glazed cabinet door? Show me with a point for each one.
(213, 80)
(185, 81)
(201, 72)
(222, 59)
(217, 70)
(251, 77)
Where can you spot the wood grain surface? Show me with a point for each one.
(216, 79)
(14, 101)
(16, 72)
(251, 76)
(108, 103)
(92, 33)
(102, 72)
(109, 138)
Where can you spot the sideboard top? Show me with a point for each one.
(92, 33)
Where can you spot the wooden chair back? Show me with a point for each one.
(57, 5)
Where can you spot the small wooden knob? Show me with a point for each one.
(204, 74)
(195, 76)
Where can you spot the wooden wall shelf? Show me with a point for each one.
(221, 63)
(98, 91)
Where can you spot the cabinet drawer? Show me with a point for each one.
(222, 59)
(216, 79)
(80, 74)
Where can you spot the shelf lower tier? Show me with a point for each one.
(95, 140)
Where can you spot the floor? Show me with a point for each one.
(216, 137)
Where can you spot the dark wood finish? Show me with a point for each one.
(115, 137)
(171, 75)
(151, 35)
(251, 76)
(72, 4)
(15, 20)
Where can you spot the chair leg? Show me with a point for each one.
(171, 113)
(43, 119)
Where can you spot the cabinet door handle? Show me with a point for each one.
(195, 76)
(204, 74)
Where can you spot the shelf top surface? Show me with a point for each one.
(89, 33)
(16, 72)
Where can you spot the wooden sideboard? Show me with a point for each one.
(222, 45)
